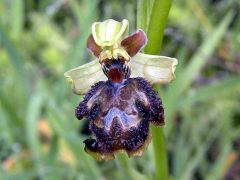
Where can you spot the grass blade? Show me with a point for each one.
(16, 60)
(188, 74)
(17, 12)
(214, 90)
(33, 115)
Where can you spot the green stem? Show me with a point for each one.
(124, 166)
(155, 29)
(160, 151)
(157, 22)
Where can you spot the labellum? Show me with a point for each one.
(119, 102)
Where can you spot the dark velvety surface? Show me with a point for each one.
(119, 115)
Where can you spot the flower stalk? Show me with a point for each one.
(157, 19)
(157, 22)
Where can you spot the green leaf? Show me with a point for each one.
(207, 92)
(83, 15)
(144, 10)
(5, 129)
(17, 18)
(17, 175)
(73, 141)
(33, 115)
(16, 60)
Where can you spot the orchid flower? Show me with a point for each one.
(110, 39)
(119, 102)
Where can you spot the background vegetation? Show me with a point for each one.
(41, 139)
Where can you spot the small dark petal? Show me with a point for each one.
(93, 47)
(135, 42)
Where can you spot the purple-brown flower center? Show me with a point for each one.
(116, 75)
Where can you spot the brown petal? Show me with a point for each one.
(93, 47)
(135, 42)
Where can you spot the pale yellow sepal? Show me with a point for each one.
(155, 69)
(83, 77)
(109, 32)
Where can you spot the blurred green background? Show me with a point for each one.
(41, 139)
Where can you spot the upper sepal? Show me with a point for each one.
(109, 32)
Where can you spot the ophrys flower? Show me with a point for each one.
(121, 104)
